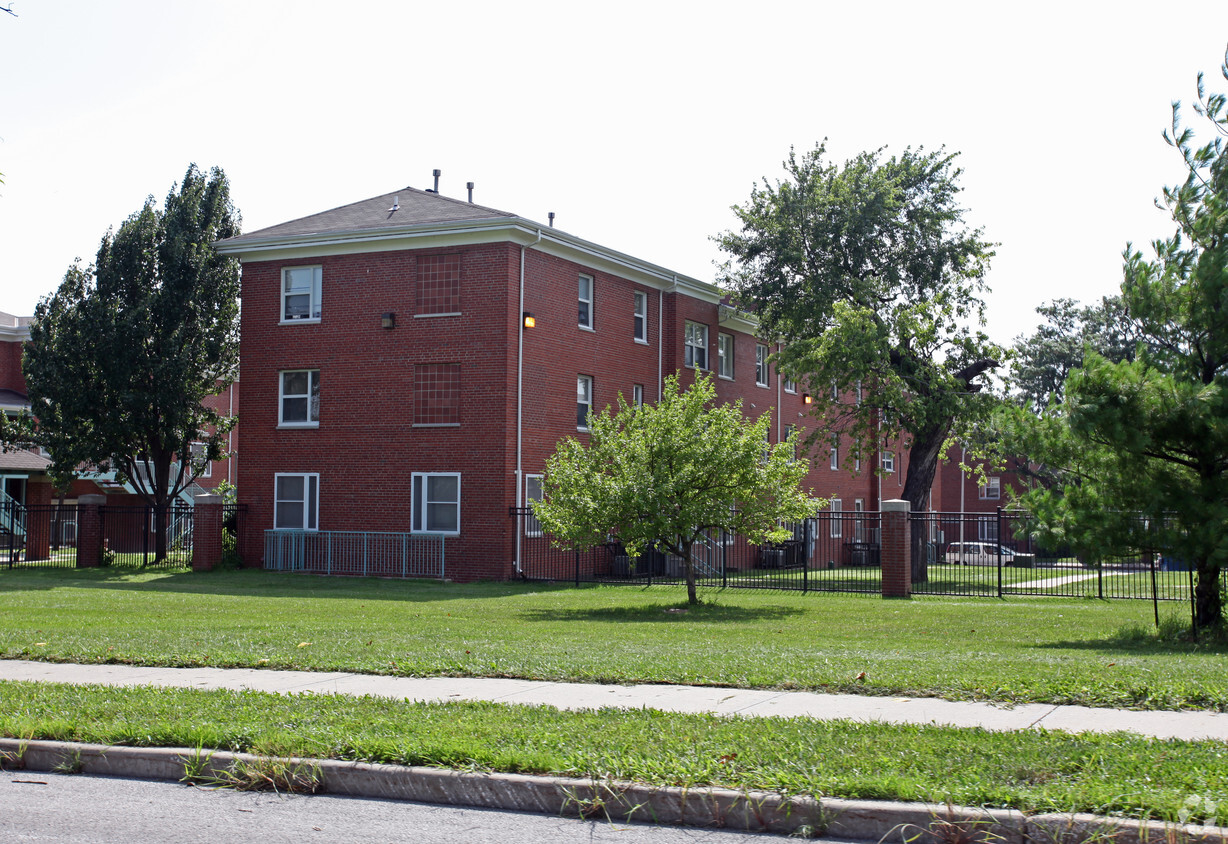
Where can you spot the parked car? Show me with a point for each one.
(986, 554)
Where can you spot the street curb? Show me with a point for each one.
(854, 820)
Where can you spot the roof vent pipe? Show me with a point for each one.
(551, 219)
(469, 185)
(437, 174)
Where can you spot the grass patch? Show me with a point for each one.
(1030, 771)
(1045, 650)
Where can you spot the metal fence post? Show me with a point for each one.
(999, 551)
(577, 566)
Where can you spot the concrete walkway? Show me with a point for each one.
(705, 699)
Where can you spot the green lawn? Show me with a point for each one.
(1047, 650)
(1031, 771)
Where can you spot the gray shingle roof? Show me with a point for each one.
(23, 461)
(414, 207)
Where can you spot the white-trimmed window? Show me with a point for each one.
(637, 395)
(761, 364)
(436, 503)
(641, 317)
(789, 429)
(724, 355)
(695, 353)
(584, 400)
(532, 492)
(586, 301)
(835, 451)
(296, 500)
(204, 468)
(888, 458)
(837, 524)
(835, 391)
(859, 393)
(991, 490)
(300, 294)
(790, 385)
(859, 526)
(299, 400)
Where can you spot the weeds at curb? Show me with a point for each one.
(13, 760)
(266, 774)
(69, 763)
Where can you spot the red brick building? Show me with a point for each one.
(390, 383)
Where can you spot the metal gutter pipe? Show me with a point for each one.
(520, 408)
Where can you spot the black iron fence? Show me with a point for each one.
(972, 554)
(38, 536)
(999, 554)
(835, 552)
(132, 536)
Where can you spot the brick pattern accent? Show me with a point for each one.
(439, 279)
(437, 394)
(896, 551)
(207, 533)
(89, 530)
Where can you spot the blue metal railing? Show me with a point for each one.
(360, 553)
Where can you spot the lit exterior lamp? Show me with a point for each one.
(529, 321)
(805, 398)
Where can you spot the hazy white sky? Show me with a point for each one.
(638, 123)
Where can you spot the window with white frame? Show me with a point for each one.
(299, 401)
(532, 492)
(202, 467)
(696, 350)
(586, 301)
(789, 429)
(859, 393)
(888, 461)
(859, 525)
(991, 489)
(834, 461)
(837, 525)
(835, 391)
(584, 400)
(637, 395)
(296, 499)
(300, 294)
(724, 355)
(436, 503)
(790, 385)
(761, 364)
(641, 317)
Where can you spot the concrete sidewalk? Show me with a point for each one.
(698, 699)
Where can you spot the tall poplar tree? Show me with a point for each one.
(122, 356)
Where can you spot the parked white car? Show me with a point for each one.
(986, 554)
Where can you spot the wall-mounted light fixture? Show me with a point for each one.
(529, 321)
(806, 398)
(388, 320)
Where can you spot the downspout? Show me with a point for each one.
(230, 438)
(661, 341)
(963, 483)
(520, 410)
(779, 399)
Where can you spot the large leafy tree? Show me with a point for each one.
(1142, 444)
(1043, 361)
(123, 354)
(670, 473)
(868, 275)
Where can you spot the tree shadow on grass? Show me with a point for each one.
(256, 583)
(1173, 638)
(661, 613)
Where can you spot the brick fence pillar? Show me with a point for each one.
(89, 530)
(896, 550)
(207, 532)
(38, 517)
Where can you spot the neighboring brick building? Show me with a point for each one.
(389, 383)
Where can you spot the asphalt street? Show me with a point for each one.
(68, 809)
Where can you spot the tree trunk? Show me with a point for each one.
(691, 596)
(923, 459)
(160, 532)
(1208, 603)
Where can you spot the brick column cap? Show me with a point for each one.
(895, 505)
(208, 499)
(92, 499)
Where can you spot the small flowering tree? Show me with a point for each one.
(669, 473)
